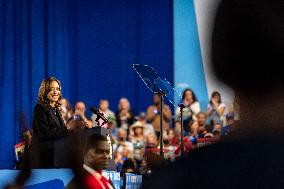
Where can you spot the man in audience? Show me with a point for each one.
(79, 114)
(122, 142)
(151, 141)
(112, 126)
(153, 115)
(200, 125)
(96, 158)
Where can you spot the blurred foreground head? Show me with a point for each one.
(248, 44)
(247, 51)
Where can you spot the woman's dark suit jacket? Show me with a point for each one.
(46, 128)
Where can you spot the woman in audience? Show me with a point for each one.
(215, 109)
(137, 140)
(124, 115)
(192, 108)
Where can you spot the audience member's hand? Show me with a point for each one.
(215, 103)
(79, 113)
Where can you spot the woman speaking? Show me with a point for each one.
(48, 124)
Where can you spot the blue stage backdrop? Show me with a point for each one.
(89, 45)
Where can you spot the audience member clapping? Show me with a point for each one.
(200, 126)
(122, 142)
(153, 115)
(124, 115)
(79, 115)
(148, 127)
(215, 109)
(192, 108)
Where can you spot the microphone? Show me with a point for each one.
(96, 111)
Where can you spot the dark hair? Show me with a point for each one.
(44, 89)
(92, 140)
(194, 98)
(216, 93)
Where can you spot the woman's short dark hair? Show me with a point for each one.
(194, 98)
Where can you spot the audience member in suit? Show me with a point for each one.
(96, 158)
(48, 124)
(247, 52)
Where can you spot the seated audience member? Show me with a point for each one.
(124, 115)
(112, 126)
(96, 158)
(103, 108)
(79, 114)
(200, 125)
(215, 109)
(137, 140)
(122, 142)
(175, 134)
(201, 121)
(186, 140)
(151, 141)
(170, 149)
(66, 110)
(148, 128)
(230, 120)
(137, 133)
(121, 157)
(153, 115)
(192, 108)
(217, 130)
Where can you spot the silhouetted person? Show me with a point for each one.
(247, 50)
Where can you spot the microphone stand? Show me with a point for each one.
(97, 120)
(182, 106)
(161, 94)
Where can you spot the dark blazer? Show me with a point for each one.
(47, 127)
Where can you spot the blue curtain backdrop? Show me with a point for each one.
(88, 45)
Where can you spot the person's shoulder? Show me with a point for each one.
(222, 105)
(40, 106)
(151, 106)
(110, 112)
(167, 106)
(195, 104)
